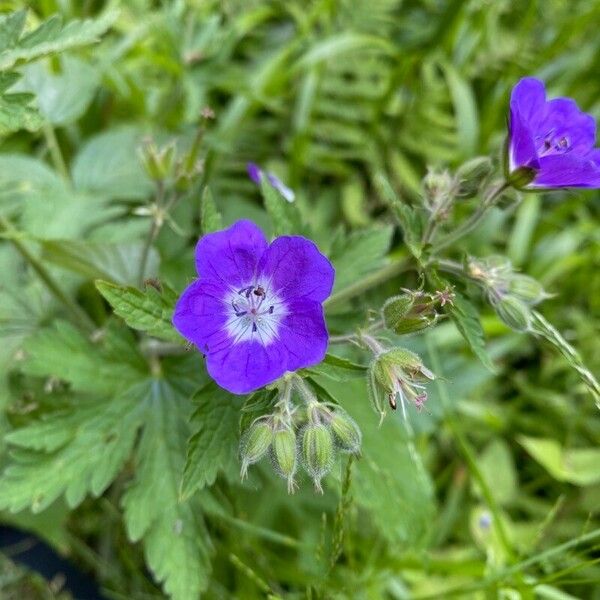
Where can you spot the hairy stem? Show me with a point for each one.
(78, 313)
(55, 152)
(545, 329)
(372, 280)
(474, 220)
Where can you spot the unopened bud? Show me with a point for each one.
(520, 178)
(283, 454)
(254, 444)
(438, 186)
(346, 432)
(471, 174)
(526, 288)
(409, 313)
(513, 312)
(317, 452)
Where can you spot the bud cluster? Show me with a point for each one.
(511, 294)
(414, 311)
(441, 188)
(172, 168)
(309, 437)
(396, 374)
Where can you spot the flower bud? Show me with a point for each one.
(346, 432)
(471, 174)
(317, 452)
(513, 312)
(438, 187)
(254, 444)
(520, 178)
(409, 312)
(283, 454)
(526, 289)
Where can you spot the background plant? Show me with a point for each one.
(126, 136)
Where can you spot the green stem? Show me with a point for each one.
(545, 329)
(78, 313)
(516, 568)
(370, 281)
(55, 152)
(468, 452)
(474, 220)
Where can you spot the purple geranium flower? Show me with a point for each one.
(256, 310)
(256, 174)
(551, 143)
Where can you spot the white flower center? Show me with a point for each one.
(254, 314)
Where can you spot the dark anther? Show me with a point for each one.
(254, 328)
(238, 312)
(392, 401)
(259, 291)
(271, 309)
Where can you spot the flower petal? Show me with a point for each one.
(567, 170)
(304, 334)
(528, 100)
(295, 268)
(521, 150)
(231, 256)
(254, 172)
(565, 120)
(201, 314)
(247, 366)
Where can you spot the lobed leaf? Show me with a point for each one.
(150, 311)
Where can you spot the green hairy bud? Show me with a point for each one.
(283, 454)
(346, 432)
(254, 444)
(521, 177)
(513, 312)
(471, 174)
(526, 289)
(317, 452)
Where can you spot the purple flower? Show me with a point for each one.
(256, 310)
(256, 174)
(551, 143)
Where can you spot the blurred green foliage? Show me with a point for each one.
(492, 492)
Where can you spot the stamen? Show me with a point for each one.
(271, 309)
(254, 327)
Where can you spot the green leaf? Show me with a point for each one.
(74, 453)
(338, 368)
(466, 319)
(109, 165)
(281, 212)
(150, 311)
(360, 253)
(103, 367)
(210, 217)
(176, 543)
(117, 263)
(62, 97)
(389, 481)
(16, 111)
(498, 468)
(48, 38)
(48, 206)
(465, 109)
(578, 466)
(213, 446)
(408, 217)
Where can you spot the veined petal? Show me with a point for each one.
(567, 170)
(527, 101)
(247, 366)
(521, 148)
(201, 315)
(566, 121)
(293, 267)
(231, 256)
(304, 334)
